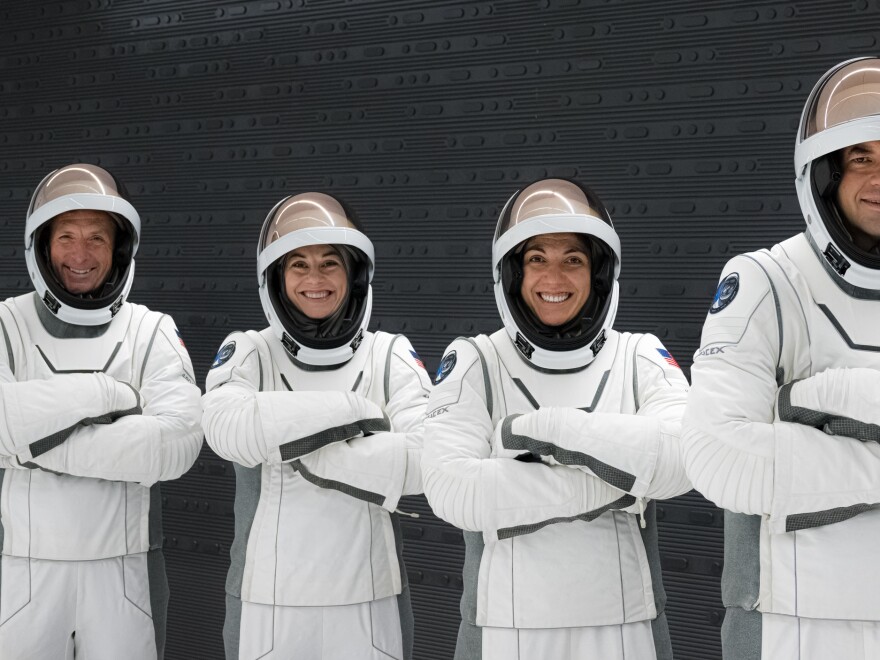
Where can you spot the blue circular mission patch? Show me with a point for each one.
(223, 355)
(447, 364)
(725, 293)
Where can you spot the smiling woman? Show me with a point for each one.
(545, 440)
(316, 280)
(556, 276)
(323, 420)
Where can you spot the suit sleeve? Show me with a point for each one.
(500, 497)
(158, 444)
(249, 426)
(40, 414)
(637, 453)
(738, 451)
(385, 464)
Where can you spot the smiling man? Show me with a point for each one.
(81, 249)
(858, 193)
(98, 404)
(782, 422)
(545, 442)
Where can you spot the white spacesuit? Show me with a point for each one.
(781, 425)
(323, 421)
(98, 403)
(557, 564)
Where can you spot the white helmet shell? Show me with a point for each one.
(842, 110)
(554, 206)
(313, 219)
(73, 188)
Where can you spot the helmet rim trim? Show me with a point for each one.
(83, 202)
(855, 131)
(316, 236)
(555, 224)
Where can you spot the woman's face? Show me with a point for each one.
(315, 280)
(556, 276)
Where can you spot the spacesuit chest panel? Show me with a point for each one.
(313, 546)
(354, 376)
(801, 571)
(844, 331)
(577, 573)
(524, 388)
(60, 516)
(112, 352)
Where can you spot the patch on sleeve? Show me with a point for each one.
(667, 356)
(726, 292)
(223, 355)
(179, 338)
(447, 364)
(417, 359)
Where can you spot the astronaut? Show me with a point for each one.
(99, 404)
(323, 421)
(781, 425)
(545, 442)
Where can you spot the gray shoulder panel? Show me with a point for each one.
(490, 399)
(386, 383)
(9, 352)
(149, 348)
(778, 308)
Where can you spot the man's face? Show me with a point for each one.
(556, 276)
(315, 280)
(858, 194)
(81, 249)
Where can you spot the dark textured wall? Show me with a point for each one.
(425, 116)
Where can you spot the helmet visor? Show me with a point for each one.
(852, 92)
(554, 197)
(304, 212)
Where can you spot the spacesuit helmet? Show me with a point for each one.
(80, 187)
(297, 221)
(842, 110)
(556, 206)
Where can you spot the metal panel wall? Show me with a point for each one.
(425, 116)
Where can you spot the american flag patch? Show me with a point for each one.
(666, 355)
(417, 359)
(179, 338)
